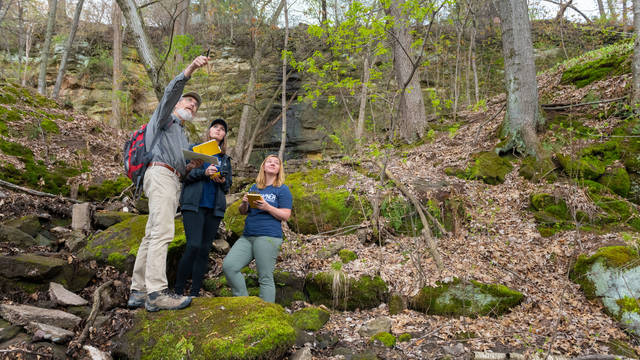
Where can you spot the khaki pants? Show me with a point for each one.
(162, 187)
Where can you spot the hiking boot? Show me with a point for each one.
(166, 300)
(136, 299)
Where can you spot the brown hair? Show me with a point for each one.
(223, 147)
(261, 180)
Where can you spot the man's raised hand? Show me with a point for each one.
(197, 63)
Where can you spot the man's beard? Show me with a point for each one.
(184, 114)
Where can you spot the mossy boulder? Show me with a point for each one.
(611, 276)
(235, 328)
(552, 214)
(321, 202)
(616, 179)
(461, 298)
(347, 256)
(29, 224)
(613, 63)
(586, 167)
(106, 219)
(289, 287)
(233, 220)
(118, 245)
(104, 190)
(385, 339)
(16, 237)
(310, 318)
(536, 170)
(30, 273)
(335, 289)
(486, 166)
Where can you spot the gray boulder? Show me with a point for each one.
(375, 326)
(16, 237)
(29, 224)
(24, 314)
(49, 332)
(64, 297)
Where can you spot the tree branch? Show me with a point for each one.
(35, 192)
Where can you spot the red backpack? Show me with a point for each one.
(136, 157)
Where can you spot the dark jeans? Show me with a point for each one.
(200, 229)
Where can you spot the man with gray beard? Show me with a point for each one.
(162, 185)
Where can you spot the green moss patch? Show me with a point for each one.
(471, 299)
(617, 180)
(105, 190)
(310, 318)
(536, 170)
(347, 256)
(612, 63)
(363, 293)
(118, 245)
(321, 203)
(385, 339)
(486, 166)
(49, 126)
(213, 328)
(608, 275)
(233, 220)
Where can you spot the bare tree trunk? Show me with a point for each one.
(563, 9)
(323, 11)
(67, 49)
(116, 19)
(21, 37)
(27, 47)
(523, 111)
(44, 57)
(156, 74)
(476, 88)
(613, 16)
(363, 99)
(283, 133)
(625, 16)
(61, 13)
(603, 14)
(635, 101)
(411, 118)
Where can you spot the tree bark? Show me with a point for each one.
(603, 14)
(21, 37)
(44, 57)
(613, 16)
(563, 9)
(157, 75)
(523, 114)
(323, 11)
(363, 99)
(625, 16)
(116, 19)
(635, 101)
(67, 49)
(283, 133)
(411, 119)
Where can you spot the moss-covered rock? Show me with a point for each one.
(552, 214)
(15, 237)
(587, 72)
(610, 276)
(105, 190)
(289, 287)
(404, 337)
(310, 318)
(233, 220)
(335, 289)
(118, 245)
(536, 170)
(471, 299)
(321, 203)
(235, 328)
(30, 273)
(29, 224)
(486, 166)
(616, 179)
(586, 167)
(105, 219)
(396, 304)
(385, 339)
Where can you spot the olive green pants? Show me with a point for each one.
(262, 248)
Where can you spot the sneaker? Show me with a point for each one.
(136, 299)
(166, 300)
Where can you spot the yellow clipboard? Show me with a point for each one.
(210, 147)
(253, 198)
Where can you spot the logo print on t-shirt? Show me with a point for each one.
(269, 197)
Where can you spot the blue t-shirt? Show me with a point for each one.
(261, 223)
(209, 188)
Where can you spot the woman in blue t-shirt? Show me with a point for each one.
(203, 204)
(262, 235)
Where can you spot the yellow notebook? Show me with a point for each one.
(208, 148)
(253, 198)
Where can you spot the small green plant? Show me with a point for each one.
(453, 130)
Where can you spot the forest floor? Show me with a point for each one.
(498, 243)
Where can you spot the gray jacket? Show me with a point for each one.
(163, 123)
